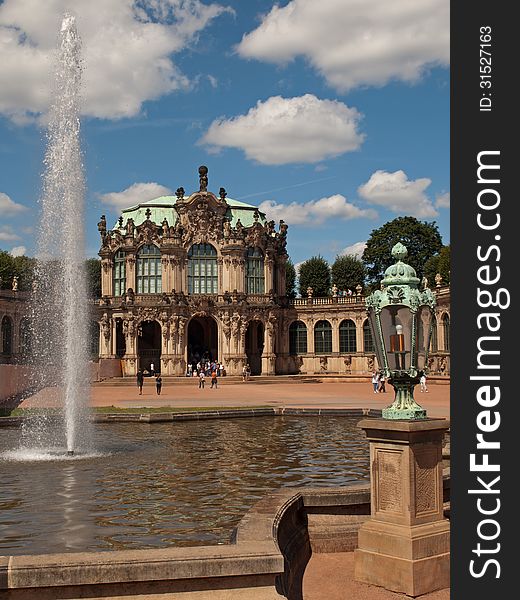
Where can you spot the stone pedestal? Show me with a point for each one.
(405, 545)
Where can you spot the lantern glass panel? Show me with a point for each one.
(396, 323)
(424, 330)
(380, 355)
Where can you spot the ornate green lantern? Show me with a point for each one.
(401, 319)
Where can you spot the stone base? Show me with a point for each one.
(410, 560)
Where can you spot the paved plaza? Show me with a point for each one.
(295, 394)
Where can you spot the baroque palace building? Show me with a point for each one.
(200, 275)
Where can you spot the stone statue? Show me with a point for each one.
(310, 292)
(105, 326)
(438, 280)
(226, 325)
(102, 226)
(203, 177)
(180, 193)
(370, 363)
(347, 361)
(323, 363)
(227, 228)
(359, 289)
(165, 228)
(222, 193)
(334, 291)
(283, 228)
(129, 296)
(15, 283)
(239, 227)
(424, 283)
(130, 227)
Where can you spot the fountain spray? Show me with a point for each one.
(60, 328)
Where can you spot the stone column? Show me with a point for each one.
(130, 272)
(405, 545)
(335, 335)
(360, 342)
(269, 274)
(107, 277)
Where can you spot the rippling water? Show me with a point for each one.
(161, 485)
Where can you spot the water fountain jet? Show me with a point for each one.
(59, 303)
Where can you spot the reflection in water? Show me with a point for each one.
(168, 484)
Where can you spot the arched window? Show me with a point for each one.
(322, 337)
(347, 336)
(255, 282)
(7, 336)
(446, 328)
(368, 340)
(119, 273)
(434, 344)
(202, 269)
(298, 338)
(149, 270)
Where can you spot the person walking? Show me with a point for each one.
(140, 380)
(422, 381)
(158, 383)
(152, 369)
(214, 378)
(202, 378)
(375, 381)
(382, 383)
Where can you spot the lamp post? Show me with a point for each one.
(405, 545)
(401, 319)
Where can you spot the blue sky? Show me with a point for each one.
(332, 115)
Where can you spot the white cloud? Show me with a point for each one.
(355, 42)
(7, 234)
(356, 249)
(8, 207)
(315, 212)
(442, 200)
(397, 193)
(18, 251)
(280, 130)
(134, 194)
(127, 48)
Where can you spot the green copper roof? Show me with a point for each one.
(163, 208)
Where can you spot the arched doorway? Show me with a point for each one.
(202, 340)
(255, 346)
(149, 345)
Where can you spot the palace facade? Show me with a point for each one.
(202, 275)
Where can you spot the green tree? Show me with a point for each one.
(440, 263)
(93, 271)
(315, 273)
(6, 270)
(21, 266)
(422, 240)
(290, 279)
(347, 272)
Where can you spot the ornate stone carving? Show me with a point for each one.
(106, 326)
(389, 496)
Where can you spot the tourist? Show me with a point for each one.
(382, 383)
(422, 381)
(140, 380)
(202, 378)
(214, 378)
(152, 370)
(244, 373)
(158, 383)
(220, 370)
(375, 381)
